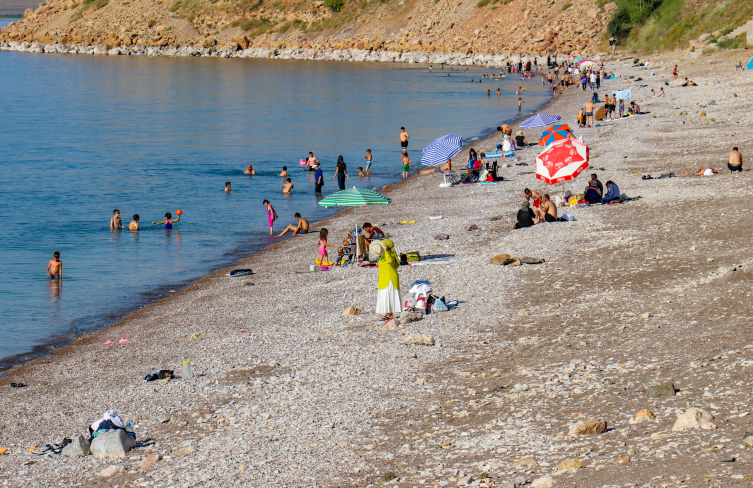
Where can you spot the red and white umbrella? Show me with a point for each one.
(562, 161)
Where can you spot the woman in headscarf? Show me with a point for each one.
(388, 294)
(341, 172)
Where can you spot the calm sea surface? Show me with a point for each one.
(83, 135)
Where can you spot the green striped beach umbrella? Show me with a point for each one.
(355, 197)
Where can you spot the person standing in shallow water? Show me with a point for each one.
(341, 172)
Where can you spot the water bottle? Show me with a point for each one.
(129, 429)
(186, 370)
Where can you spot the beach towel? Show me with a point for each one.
(623, 94)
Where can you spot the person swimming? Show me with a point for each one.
(168, 221)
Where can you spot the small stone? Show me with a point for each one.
(526, 462)
(657, 436)
(623, 459)
(387, 477)
(571, 464)
(352, 310)
(543, 482)
(484, 476)
(3, 450)
(644, 414)
(78, 447)
(407, 317)
(520, 480)
(692, 418)
(473, 227)
(665, 389)
(646, 316)
(709, 426)
(195, 337)
(501, 259)
(150, 460)
(183, 452)
(748, 441)
(728, 459)
(515, 262)
(421, 381)
(107, 472)
(441, 237)
(507, 484)
(418, 339)
(522, 313)
(390, 325)
(589, 427)
(530, 260)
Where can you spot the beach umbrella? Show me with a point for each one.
(562, 161)
(354, 197)
(553, 134)
(579, 59)
(587, 63)
(539, 120)
(442, 149)
(570, 56)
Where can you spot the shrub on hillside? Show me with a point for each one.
(335, 5)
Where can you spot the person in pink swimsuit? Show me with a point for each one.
(324, 256)
(272, 215)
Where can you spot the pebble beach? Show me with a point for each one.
(541, 376)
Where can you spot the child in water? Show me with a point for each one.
(368, 161)
(323, 255)
(227, 187)
(271, 215)
(168, 221)
(406, 165)
(55, 267)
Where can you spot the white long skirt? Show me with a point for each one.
(388, 300)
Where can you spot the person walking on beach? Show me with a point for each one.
(301, 228)
(341, 172)
(55, 267)
(115, 222)
(388, 284)
(368, 161)
(134, 225)
(168, 221)
(735, 162)
(318, 178)
(406, 165)
(589, 113)
(271, 216)
(287, 186)
(404, 136)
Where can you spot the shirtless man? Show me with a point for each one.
(287, 186)
(548, 210)
(301, 228)
(404, 136)
(284, 172)
(250, 170)
(134, 225)
(735, 162)
(115, 222)
(311, 161)
(589, 113)
(372, 232)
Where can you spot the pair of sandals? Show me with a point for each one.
(52, 449)
(18, 385)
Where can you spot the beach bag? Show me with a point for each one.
(421, 304)
(439, 305)
(412, 257)
(483, 175)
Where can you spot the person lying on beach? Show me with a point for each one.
(447, 166)
(735, 162)
(284, 172)
(613, 193)
(301, 228)
(547, 212)
(429, 171)
(250, 170)
(287, 186)
(168, 221)
(227, 187)
(115, 222)
(55, 267)
(134, 225)
(705, 171)
(525, 217)
(687, 83)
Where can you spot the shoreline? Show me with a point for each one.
(48, 348)
(349, 55)
(306, 396)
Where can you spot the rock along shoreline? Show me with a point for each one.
(352, 55)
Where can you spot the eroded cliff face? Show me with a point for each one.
(514, 27)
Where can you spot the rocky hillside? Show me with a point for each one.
(448, 26)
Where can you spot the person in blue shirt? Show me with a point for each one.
(613, 193)
(318, 179)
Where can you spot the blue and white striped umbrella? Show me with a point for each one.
(540, 120)
(442, 149)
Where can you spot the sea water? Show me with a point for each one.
(83, 135)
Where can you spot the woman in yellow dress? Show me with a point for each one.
(388, 295)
